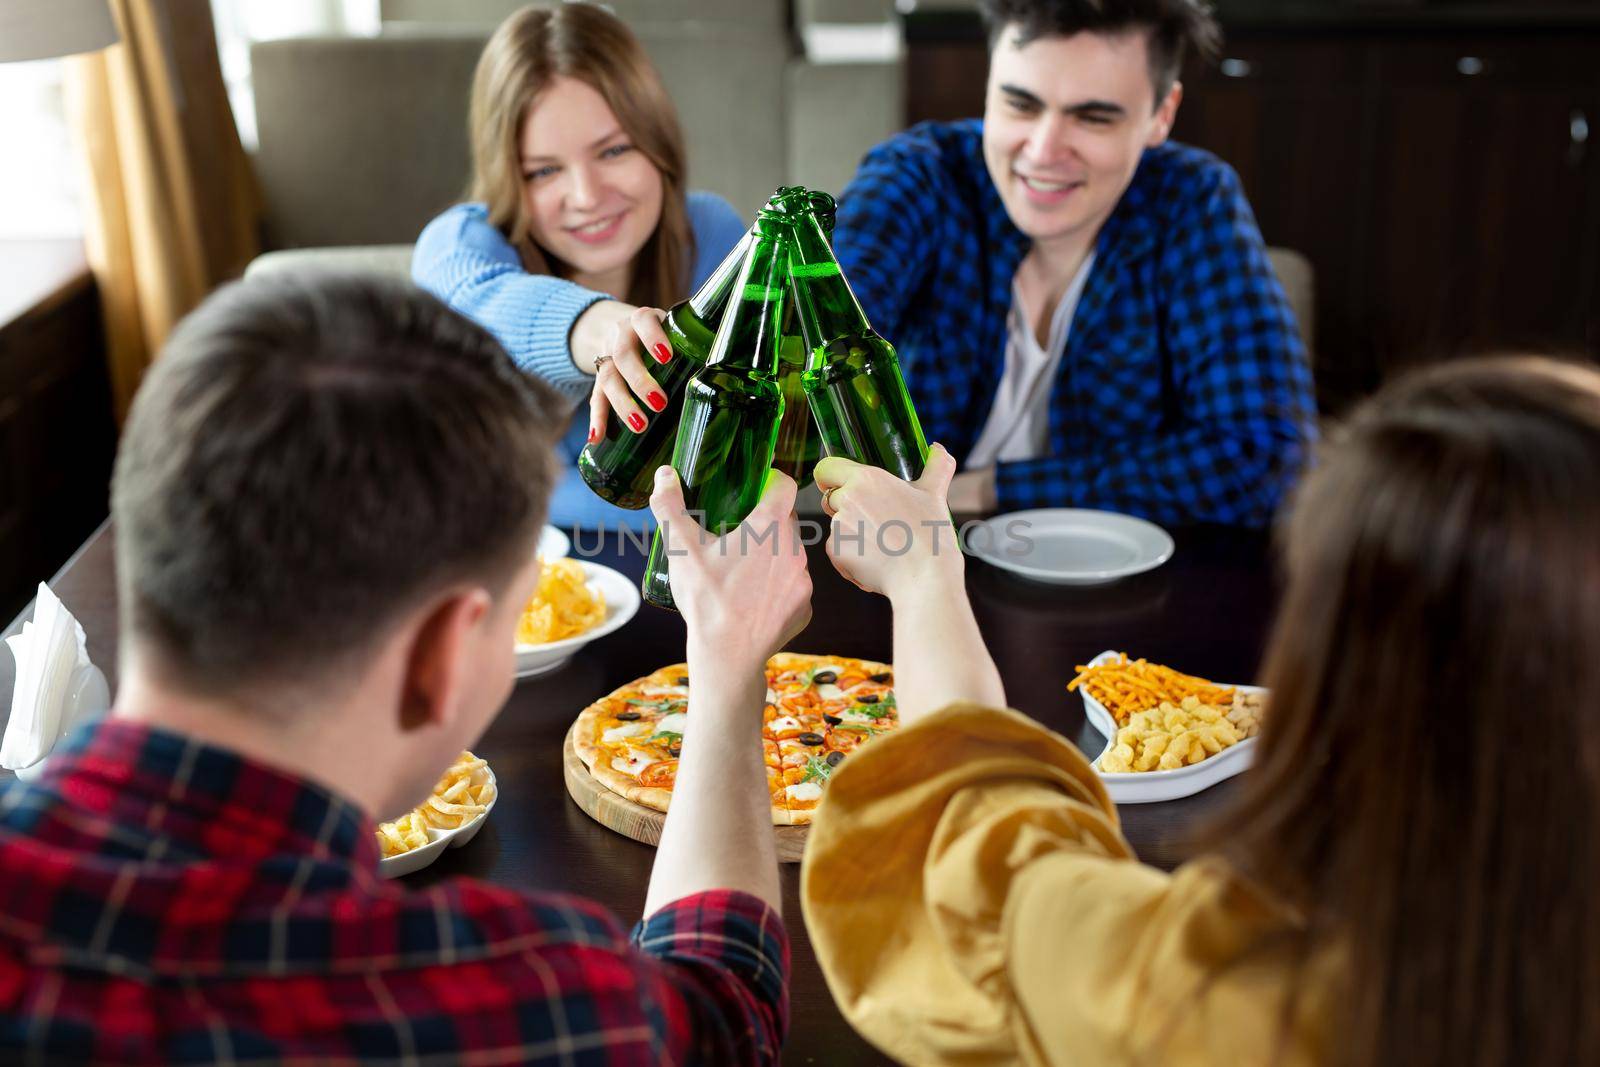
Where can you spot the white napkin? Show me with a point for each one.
(56, 685)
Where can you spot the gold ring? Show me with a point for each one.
(827, 497)
(601, 362)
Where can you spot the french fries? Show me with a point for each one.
(563, 605)
(464, 793)
(1126, 688)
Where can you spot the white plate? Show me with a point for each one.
(1148, 787)
(438, 841)
(553, 544)
(622, 603)
(1070, 546)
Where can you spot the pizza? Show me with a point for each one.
(818, 710)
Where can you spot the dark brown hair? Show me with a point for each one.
(586, 42)
(1428, 785)
(309, 457)
(1174, 26)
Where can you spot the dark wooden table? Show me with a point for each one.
(1206, 611)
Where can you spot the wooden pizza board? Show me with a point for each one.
(617, 812)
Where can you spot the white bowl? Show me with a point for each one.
(622, 603)
(439, 840)
(1148, 787)
(553, 544)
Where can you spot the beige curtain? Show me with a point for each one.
(172, 206)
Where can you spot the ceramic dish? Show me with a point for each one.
(553, 544)
(1070, 546)
(622, 603)
(1148, 787)
(438, 840)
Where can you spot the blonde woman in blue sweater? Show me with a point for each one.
(579, 228)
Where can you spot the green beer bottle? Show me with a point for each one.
(621, 466)
(853, 384)
(798, 447)
(732, 407)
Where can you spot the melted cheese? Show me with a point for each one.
(772, 697)
(627, 729)
(657, 691)
(672, 724)
(805, 791)
(829, 691)
(850, 715)
(787, 722)
(634, 764)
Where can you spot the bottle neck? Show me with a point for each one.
(798, 202)
(826, 209)
(826, 307)
(748, 337)
(712, 296)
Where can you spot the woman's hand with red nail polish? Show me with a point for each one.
(663, 352)
(622, 375)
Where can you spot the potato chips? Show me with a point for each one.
(464, 793)
(563, 605)
(404, 834)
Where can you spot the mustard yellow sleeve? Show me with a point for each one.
(972, 901)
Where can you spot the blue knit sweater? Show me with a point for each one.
(467, 263)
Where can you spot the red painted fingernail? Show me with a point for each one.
(656, 401)
(636, 421)
(594, 435)
(663, 355)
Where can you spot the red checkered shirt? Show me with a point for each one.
(164, 901)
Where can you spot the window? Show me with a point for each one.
(41, 186)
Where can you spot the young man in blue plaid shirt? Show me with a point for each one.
(1085, 312)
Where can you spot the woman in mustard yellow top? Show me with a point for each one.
(1410, 873)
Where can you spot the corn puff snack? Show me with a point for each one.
(1167, 737)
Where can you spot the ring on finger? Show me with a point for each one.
(827, 497)
(600, 362)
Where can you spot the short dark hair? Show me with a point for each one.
(308, 457)
(1173, 25)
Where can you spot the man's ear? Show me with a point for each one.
(1166, 115)
(436, 667)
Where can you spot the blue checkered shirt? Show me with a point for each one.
(1184, 394)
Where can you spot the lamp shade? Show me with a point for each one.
(43, 29)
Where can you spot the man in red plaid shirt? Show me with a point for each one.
(325, 500)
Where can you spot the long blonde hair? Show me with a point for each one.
(586, 42)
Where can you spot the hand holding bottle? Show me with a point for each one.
(895, 537)
(891, 535)
(615, 336)
(743, 595)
